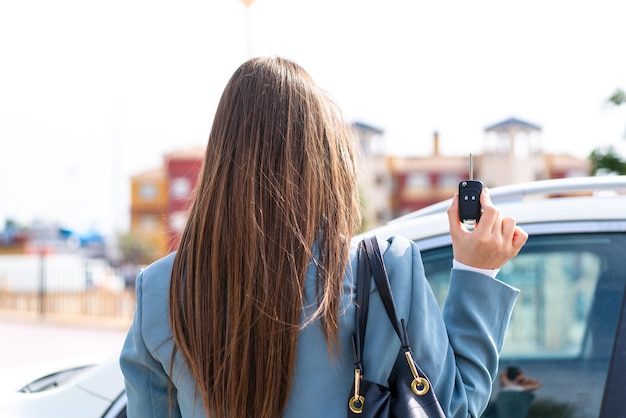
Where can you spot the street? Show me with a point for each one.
(28, 343)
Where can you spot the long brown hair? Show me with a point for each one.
(277, 192)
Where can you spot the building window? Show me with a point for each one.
(448, 181)
(180, 188)
(178, 221)
(417, 181)
(148, 191)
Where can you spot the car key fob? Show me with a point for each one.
(469, 201)
(469, 197)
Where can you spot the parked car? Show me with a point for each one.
(77, 389)
(568, 329)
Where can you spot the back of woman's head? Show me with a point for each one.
(277, 192)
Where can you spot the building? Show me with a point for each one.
(513, 153)
(182, 169)
(148, 212)
(160, 198)
(375, 182)
(421, 181)
(47, 238)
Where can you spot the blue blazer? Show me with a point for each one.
(458, 348)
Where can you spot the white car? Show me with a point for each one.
(568, 329)
(83, 388)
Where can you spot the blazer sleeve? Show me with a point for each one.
(476, 312)
(147, 384)
(458, 348)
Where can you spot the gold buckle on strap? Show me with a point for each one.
(419, 385)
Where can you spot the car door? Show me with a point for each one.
(613, 402)
(562, 329)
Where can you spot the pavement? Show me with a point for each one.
(26, 343)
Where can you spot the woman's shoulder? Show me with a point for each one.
(399, 245)
(397, 241)
(402, 262)
(153, 285)
(157, 275)
(397, 250)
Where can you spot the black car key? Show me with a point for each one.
(469, 198)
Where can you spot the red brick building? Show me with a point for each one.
(182, 169)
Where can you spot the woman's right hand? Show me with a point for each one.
(494, 240)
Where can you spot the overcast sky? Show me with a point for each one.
(94, 92)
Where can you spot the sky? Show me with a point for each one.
(95, 92)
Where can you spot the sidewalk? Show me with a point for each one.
(25, 343)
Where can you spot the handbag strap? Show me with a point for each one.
(370, 263)
(384, 288)
(363, 281)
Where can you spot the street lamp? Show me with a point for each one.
(248, 3)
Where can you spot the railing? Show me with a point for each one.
(64, 288)
(520, 191)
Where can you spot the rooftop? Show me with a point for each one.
(507, 124)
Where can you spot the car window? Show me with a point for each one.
(53, 380)
(563, 324)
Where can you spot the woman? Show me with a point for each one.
(252, 316)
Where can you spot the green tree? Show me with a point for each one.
(135, 250)
(608, 159)
(618, 98)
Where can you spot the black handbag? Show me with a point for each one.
(409, 394)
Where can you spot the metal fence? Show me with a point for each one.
(64, 287)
